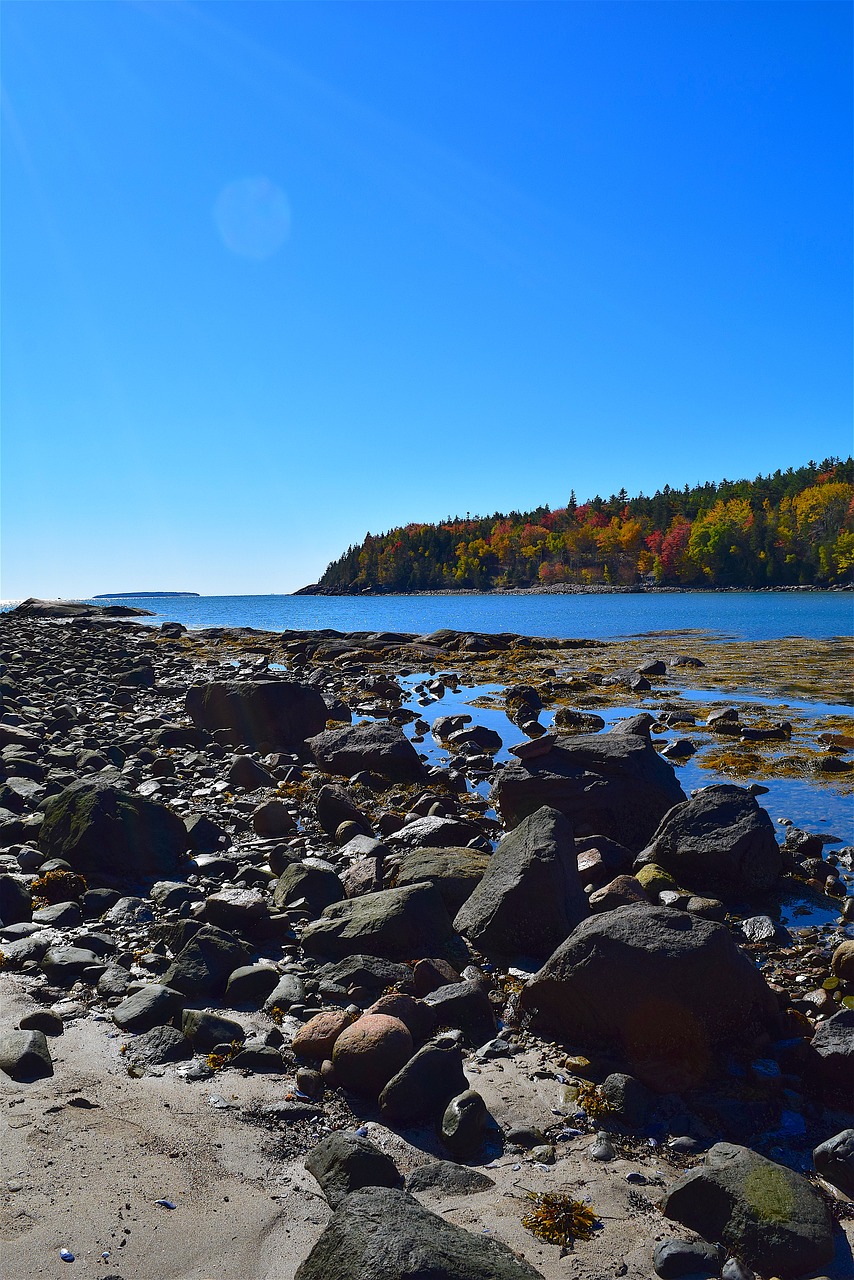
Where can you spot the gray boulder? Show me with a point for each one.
(159, 1045)
(531, 896)
(832, 1058)
(426, 1083)
(466, 1006)
(395, 924)
(443, 1177)
(98, 828)
(376, 747)
(152, 1006)
(203, 967)
(15, 901)
(455, 872)
(319, 886)
(206, 1030)
(718, 842)
(344, 1162)
(386, 1234)
(432, 832)
(276, 713)
(25, 1055)
(664, 988)
(766, 1214)
(834, 1160)
(611, 784)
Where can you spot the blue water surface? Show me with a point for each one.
(750, 615)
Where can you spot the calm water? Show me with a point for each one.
(743, 614)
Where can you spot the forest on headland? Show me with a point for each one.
(792, 528)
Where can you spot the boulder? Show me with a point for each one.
(206, 1030)
(370, 974)
(664, 988)
(158, 1046)
(316, 1038)
(273, 819)
(423, 1087)
(98, 828)
(719, 842)
(251, 984)
(464, 1124)
(152, 1006)
(249, 774)
(464, 1005)
(202, 968)
(395, 924)
(376, 747)
(344, 1162)
(611, 784)
(693, 1259)
(832, 1054)
(279, 714)
(318, 885)
(842, 962)
(444, 1178)
(432, 832)
(530, 896)
(766, 1214)
(386, 1234)
(369, 1052)
(417, 1015)
(25, 1055)
(455, 872)
(834, 1160)
(16, 903)
(234, 908)
(335, 805)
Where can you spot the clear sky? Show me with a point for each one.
(277, 274)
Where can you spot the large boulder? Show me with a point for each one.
(369, 1052)
(611, 784)
(834, 1160)
(767, 1215)
(454, 871)
(25, 1056)
(376, 747)
(203, 966)
(386, 1234)
(665, 989)
(426, 1083)
(831, 1066)
(278, 713)
(396, 924)
(531, 895)
(317, 884)
(720, 842)
(98, 828)
(344, 1162)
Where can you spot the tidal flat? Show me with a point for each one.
(277, 898)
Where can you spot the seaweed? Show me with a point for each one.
(559, 1219)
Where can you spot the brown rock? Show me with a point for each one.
(414, 1014)
(369, 1052)
(317, 1037)
(842, 964)
(619, 892)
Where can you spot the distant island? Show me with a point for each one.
(793, 528)
(141, 595)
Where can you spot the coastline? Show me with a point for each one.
(571, 589)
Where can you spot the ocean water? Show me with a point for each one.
(752, 615)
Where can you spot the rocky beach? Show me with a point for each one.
(287, 991)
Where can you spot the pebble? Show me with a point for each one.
(66, 1255)
(602, 1148)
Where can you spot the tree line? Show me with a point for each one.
(794, 527)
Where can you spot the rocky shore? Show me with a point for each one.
(279, 997)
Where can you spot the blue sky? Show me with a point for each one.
(277, 274)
